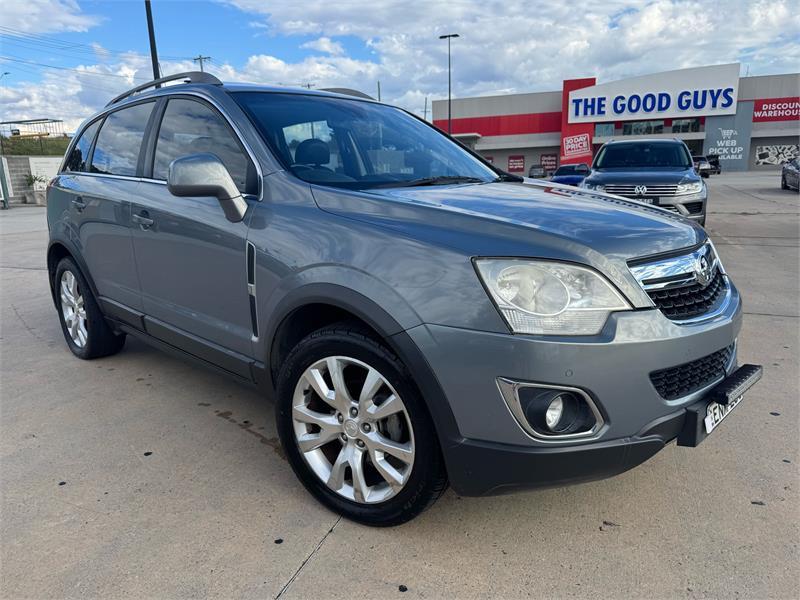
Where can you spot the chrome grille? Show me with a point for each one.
(631, 191)
(687, 286)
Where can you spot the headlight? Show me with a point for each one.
(549, 298)
(690, 188)
(592, 186)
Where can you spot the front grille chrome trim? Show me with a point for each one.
(697, 269)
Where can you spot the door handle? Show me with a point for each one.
(142, 219)
(78, 203)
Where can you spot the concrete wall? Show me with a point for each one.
(769, 86)
(19, 167)
(507, 104)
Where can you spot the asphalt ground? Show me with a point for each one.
(140, 476)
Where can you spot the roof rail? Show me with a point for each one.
(189, 77)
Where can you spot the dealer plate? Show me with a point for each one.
(715, 413)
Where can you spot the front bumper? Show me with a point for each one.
(492, 451)
(494, 468)
(692, 206)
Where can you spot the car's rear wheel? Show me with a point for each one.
(86, 331)
(355, 429)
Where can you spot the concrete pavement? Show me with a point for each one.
(142, 476)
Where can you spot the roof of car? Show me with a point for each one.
(204, 81)
(646, 140)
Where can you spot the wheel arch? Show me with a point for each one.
(314, 306)
(58, 249)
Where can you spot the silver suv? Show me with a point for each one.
(418, 316)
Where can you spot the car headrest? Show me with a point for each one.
(312, 152)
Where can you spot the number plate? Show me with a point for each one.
(716, 412)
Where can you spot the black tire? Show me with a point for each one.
(428, 478)
(101, 339)
(784, 185)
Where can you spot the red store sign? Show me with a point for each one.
(776, 109)
(516, 163)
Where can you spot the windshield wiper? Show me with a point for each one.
(508, 177)
(438, 180)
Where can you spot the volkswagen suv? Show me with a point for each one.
(659, 172)
(418, 316)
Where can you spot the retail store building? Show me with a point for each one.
(749, 122)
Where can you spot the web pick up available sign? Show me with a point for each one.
(728, 137)
(703, 91)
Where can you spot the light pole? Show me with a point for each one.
(448, 37)
(152, 35)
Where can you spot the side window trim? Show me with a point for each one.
(101, 121)
(145, 167)
(73, 144)
(103, 118)
(150, 165)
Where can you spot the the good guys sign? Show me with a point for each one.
(704, 91)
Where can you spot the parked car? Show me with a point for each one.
(570, 174)
(418, 316)
(790, 175)
(702, 166)
(713, 161)
(537, 172)
(659, 172)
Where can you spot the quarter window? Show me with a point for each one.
(78, 160)
(190, 127)
(120, 140)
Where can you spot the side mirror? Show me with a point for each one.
(205, 175)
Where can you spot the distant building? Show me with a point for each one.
(749, 122)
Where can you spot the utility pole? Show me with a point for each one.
(448, 37)
(379, 91)
(199, 59)
(425, 111)
(152, 34)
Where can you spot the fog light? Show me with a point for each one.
(554, 412)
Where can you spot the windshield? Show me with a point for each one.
(357, 145)
(643, 155)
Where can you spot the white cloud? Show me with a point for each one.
(505, 46)
(326, 45)
(46, 16)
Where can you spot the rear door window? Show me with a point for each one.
(191, 127)
(120, 141)
(78, 160)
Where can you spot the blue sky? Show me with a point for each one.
(505, 45)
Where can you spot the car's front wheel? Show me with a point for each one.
(355, 429)
(86, 331)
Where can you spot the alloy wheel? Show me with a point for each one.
(353, 429)
(73, 309)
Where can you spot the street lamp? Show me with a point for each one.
(448, 37)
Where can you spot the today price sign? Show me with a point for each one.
(702, 91)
